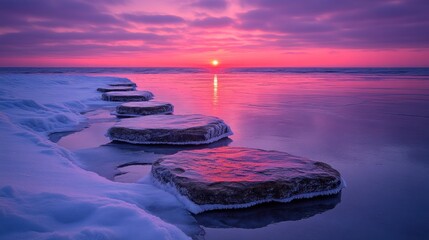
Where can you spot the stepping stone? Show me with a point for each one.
(128, 96)
(135, 109)
(192, 129)
(116, 88)
(123, 84)
(233, 177)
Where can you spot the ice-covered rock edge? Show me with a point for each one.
(195, 208)
(208, 141)
(147, 95)
(137, 115)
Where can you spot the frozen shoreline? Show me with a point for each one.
(43, 194)
(338, 118)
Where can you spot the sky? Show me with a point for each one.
(191, 33)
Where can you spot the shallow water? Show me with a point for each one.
(132, 173)
(373, 128)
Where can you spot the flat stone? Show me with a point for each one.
(233, 177)
(128, 96)
(123, 84)
(164, 149)
(170, 129)
(115, 89)
(134, 109)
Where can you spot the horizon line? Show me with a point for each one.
(208, 67)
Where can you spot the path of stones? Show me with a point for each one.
(213, 178)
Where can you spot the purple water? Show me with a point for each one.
(372, 127)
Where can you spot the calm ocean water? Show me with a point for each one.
(372, 124)
(175, 70)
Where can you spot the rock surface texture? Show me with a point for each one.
(133, 109)
(170, 129)
(131, 84)
(128, 96)
(232, 177)
(115, 89)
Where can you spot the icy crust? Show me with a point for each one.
(128, 96)
(191, 129)
(50, 103)
(196, 208)
(231, 177)
(130, 84)
(134, 109)
(116, 88)
(44, 195)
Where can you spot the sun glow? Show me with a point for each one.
(215, 62)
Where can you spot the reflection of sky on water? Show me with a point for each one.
(215, 85)
(266, 214)
(373, 129)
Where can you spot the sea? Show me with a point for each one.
(371, 124)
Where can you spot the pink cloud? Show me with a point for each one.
(242, 33)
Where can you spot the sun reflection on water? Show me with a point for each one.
(215, 93)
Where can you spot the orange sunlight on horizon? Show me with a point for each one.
(215, 62)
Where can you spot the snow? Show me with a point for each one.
(44, 195)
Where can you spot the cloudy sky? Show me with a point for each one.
(288, 33)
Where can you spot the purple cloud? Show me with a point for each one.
(212, 22)
(153, 19)
(92, 28)
(30, 27)
(341, 23)
(210, 4)
(42, 36)
(66, 12)
(77, 50)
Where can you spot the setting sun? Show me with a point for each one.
(215, 62)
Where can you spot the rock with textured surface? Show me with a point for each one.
(170, 129)
(131, 84)
(134, 109)
(232, 177)
(128, 96)
(115, 89)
